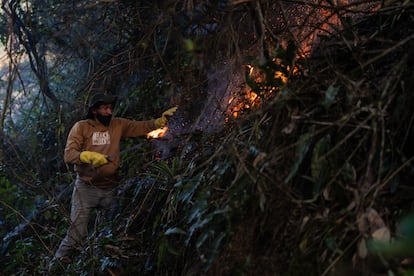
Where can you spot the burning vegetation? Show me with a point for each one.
(312, 175)
(294, 161)
(282, 57)
(329, 159)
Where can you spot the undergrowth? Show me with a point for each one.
(313, 182)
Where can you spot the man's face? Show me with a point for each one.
(103, 113)
(104, 110)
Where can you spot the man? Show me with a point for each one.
(93, 146)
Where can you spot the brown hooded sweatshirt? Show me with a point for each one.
(91, 135)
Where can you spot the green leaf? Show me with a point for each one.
(331, 243)
(319, 164)
(175, 230)
(301, 150)
(47, 215)
(189, 45)
(402, 246)
(407, 227)
(199, 208)
(330, 95)
(215, 247)
(187, 190)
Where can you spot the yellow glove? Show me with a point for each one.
(162, 121)
(95, 158)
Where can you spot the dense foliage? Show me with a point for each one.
(301, 164)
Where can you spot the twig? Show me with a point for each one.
(386, 52)
(334, 262)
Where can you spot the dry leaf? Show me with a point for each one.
(326, 194)
(407, 262)
(370, 221)
(289, 128)
(304, 221)
(258, 159)
(382, 234)
(362, 249)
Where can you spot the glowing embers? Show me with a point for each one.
(249, 100)
(158, 133)
(280, 75)
(261, 83)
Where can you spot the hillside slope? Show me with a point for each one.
(300, 185)
(338, 159)
(306, 181)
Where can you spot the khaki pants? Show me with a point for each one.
(85, 197)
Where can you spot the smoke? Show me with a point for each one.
(225, 82)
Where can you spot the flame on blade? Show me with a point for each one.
(158, 133)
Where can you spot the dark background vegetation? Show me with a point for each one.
(312, 177)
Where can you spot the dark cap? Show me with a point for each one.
(99, 99)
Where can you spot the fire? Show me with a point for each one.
(306, 32)
(250, 98)
(158, 133)
(281, 75)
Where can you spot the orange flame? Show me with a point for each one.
(251, 98)
(327, 23)
(158, 133)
